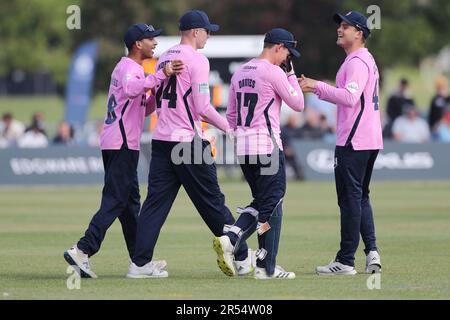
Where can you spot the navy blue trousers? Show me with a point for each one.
(352, 172)
(267, 183)
(120, 199)
(267, 189)
(165, 179)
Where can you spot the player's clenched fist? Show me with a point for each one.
(173, 67)
(307, 84)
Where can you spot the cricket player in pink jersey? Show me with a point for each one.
(180, 154)
(128, 104)
(256, 92)
(359, 140)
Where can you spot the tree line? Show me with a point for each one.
(34, 35)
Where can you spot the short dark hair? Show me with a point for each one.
(130, 47)
(268, 45)
(404, 82)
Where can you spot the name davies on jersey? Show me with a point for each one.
(247, 83)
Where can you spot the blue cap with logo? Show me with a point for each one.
(140, 31)
(356, 19)
(194, 19)
(282, 36)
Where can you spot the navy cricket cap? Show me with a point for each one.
(140, 31)
(282, 36)
(356, 19)
(194, 19)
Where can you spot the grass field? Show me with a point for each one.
(413, 229)
(51, 107)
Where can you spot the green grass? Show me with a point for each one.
(23, 107)
(421, 81)
(52, 108)
(413, 229)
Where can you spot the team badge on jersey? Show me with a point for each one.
(203, 88)
(352, 87)
(292, 91)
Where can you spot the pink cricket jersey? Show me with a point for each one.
(357, 100)
(256, 92)
(183, 101)
(128, 104)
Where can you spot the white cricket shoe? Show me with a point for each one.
(160, 264)
(336, 268)
(373, 262)
(246, 266)
(76, 257)
(279, 273)
(225, 259)
(149, 270)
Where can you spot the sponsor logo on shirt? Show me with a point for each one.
(352, 87)
(203, 88)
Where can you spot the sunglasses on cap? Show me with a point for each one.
(148, 27)
(289, 43)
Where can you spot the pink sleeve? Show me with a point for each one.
(200, 95)
(213, 117)
(288, 89)
(134, 84)
(231, 110)
(150, 105)
(355, 81)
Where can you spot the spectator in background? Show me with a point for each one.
(64, 135)
(442, 131)
(410, 127)
(313, 128)
(11, 130)
(37, 121)
(329, 130)
(324, 107)
(289, 132)
(33, 138)
(93, 138)
(439, 102)
(395, 106)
